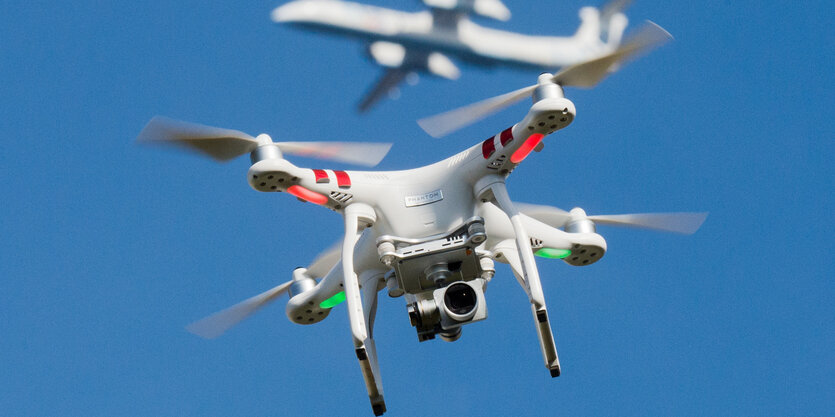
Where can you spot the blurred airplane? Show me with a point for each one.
(405, 44)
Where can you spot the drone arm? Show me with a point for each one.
(554, 238)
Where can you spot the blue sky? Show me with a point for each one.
(108, 249)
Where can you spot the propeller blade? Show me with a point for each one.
(553, 216)
(445, 123)
(225, 144)
(325, 261)
(684, 223)
(586, 74)
(218, 143)
(590, 73)
(218, 323)
(359, 153)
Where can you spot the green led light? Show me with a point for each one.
(551, 253)
(334, 301)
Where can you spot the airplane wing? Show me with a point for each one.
(398, 62)
(391, 78)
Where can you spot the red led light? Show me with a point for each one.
(307, 195)
(526, 148)
(342, 179)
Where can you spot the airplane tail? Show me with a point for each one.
(603, 25)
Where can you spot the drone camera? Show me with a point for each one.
(460, 301)
(451, 335)
(444, 310)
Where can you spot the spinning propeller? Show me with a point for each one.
(586, 75)
(684, 223)
(225, 144)
(218, 323)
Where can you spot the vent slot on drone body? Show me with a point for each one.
(496, 163)
(456, 238)
(410, 252)
(536, 243)
(342, 198)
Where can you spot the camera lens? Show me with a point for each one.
(451, 335)
(460, 299)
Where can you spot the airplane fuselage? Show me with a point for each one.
(420, 31)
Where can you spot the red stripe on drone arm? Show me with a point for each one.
(526, 148)
(321, 176)
(307, 195)
(342, 179)
(507, 136)
(488, 148)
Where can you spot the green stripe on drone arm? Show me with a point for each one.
(551, 253)
(335, 300)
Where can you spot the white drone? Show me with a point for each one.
(430, 234)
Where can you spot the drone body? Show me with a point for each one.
(406, 43)
(432, 234)
(403, 212)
